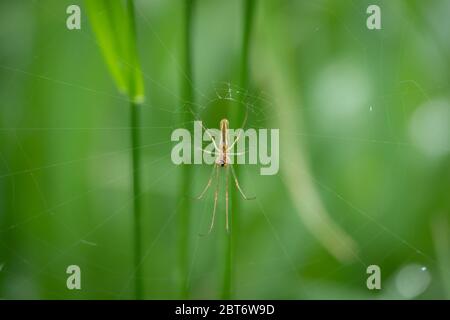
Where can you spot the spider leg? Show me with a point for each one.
(207, 151)
(216, 193)
(208, 184)
(206, 130)
(236, 153)
(240, 132)
(239, 188)
(232, 154)
(212, 138)
(235, 140)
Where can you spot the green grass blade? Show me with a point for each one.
(237, 117)
(113, 28)
(187, 174)
(135, 143)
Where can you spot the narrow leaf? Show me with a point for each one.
(114, 31)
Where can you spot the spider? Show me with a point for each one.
(222, 151)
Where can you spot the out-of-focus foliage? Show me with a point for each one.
(370, 110)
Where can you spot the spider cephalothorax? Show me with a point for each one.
(222, 155)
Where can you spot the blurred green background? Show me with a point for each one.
(364, 140)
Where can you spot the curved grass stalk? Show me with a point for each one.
(294, 168)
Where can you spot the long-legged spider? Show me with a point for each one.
(222, 151)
